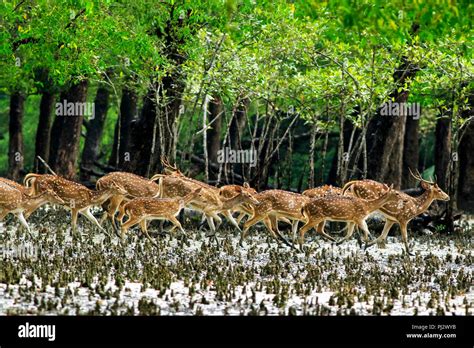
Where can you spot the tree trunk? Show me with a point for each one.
(128, 113)
(386, 134)
(95, 127)
(333, 177)
(236, 130)
(466, 170)
(238, 123)
(15, 143)
(43, 131)
(216, 109)
(154, 133)
(443, 151)
(142, 133)
(410, 151)
(66, 133)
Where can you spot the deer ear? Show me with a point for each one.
(424, 185)
(246, 185)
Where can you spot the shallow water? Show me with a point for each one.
(54, 274)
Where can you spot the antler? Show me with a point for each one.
(167, 164)
(419, 177)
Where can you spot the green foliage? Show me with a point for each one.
(320, 59)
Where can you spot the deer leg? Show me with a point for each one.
(129, 223)
(121, 213)
(3, 213)
(177, 224)
(115, 202)
(271, 222)
(249, 223)
(24, 223)
(240, 217)
(363, 226)
(87, 213)
(404, 231)
(306, 227)
(294, 230)
(350, 231)
(217, 218)
(105, 207)
(210, 222)
(229, 217)
(320, 230)
(271, 225)
(171, 230)
(386, 229)
(27, 213)
(74, 214)
(143, 227)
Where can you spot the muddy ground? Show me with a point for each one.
(97, 275)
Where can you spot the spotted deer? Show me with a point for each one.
(274, 205)
(401, 209)
(229, 191)
(241, 197)
(323, 190)
(350, 209)
(77, 198)
(16, 199)
(139, 210)
(134, 185)
(176, 184)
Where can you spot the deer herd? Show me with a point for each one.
(164, 196)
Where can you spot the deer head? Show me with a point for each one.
(191, 196)
(117, 189)
(249, 198)
(431, 186)
(246, 186)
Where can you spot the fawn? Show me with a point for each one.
(139, 210)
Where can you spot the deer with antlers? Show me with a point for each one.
(350, 209)
(401, 209)
(77, 198)
(16, 199)
(176, 184)
(134, 185)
